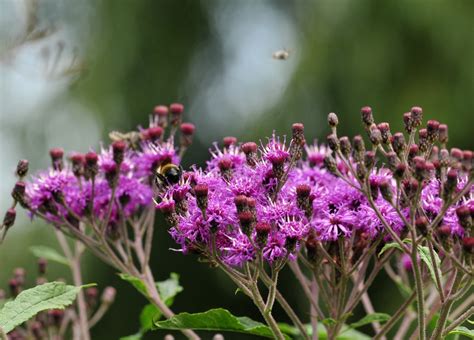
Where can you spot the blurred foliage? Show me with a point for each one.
(391, 55)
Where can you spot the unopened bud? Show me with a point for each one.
(229, 140)
(400, 171)
(417, 115)
(250, 151)
(333, 142)
(42, 265)
(421, 224)
(398, 143)
(345, 146)
(161, 110)
(262, 229)
(433, 130)
(176, 112)
(467, 160)
(312, 248)
(201, 191)
(240, 202)
(374, 188)
(22, 168)
(298, 134)
(468, 245)
(91, 168)
(386, 190)
(108, 296)
(112, 174)
(118, 149)
(361, 171)
(408, 121)
(187, 132)
(367, 117)
(392, 160)
(369, 159)
(464, 215)
(443, 133)
(246, 220)
(330, 164)
(78, 160)
(443, 232)
(18, 192)
(333, 121)
(423, 141)
(385, 131)
(9, 218)
(375, 136)
(359, 147)
(57, 158)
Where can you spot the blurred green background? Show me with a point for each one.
(105, 64)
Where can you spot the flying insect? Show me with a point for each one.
(168, 174)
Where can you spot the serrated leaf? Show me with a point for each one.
(426, 258)
(52, 295)
(461, 330)
(345, 334)
(368, 319)
(135, 282)
(169, 288)
(49, 254)
(218, 319)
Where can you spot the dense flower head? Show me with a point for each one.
(304, 201)
(107, 185)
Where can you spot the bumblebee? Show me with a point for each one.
(168, 174)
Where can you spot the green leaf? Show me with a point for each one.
(135, 282)
(169, 288)
(149, 314)
(137, 336)
(463, 331)
(391, 245)
(329, 321)
(52, 295)
(426, 258)
(374, 317)
(215, 320)
(346, 333)
(49, 254)
(471, 322)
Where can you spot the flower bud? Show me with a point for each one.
(240, 202)
(400, 171)
(468, 245)
(433, 130)
(359, 147)
(385, 131)
(443, 232)
(423, 142)
(201, 191)
(361, 171)
(57, 158)
(108, 296)
(408, 121)
(250, 151)
(18, 192)
(91, 169)
(56, 317)
(161, 110)
(392, 160)
(246, 220)
(168, 209)
(398, 143)
(330, 164)
(421, 224)
(333, 142)
(345, 146)
(367, 117)
(118, 150)
(410, 186)
(451, 182)
(417, 115)
(303, 199)
(187, 132)
(22, 168)
(298, 134)
(464, 215)
(374, 188)
(176, 112)
(14, 286)
(78, 160)
(412, 153)
(333, 121)
(229, 140)
(112, 174)
(375, 136)
(262, 230)
(312, 248)
(9, 218)
(225, 166)
(369, 159)
(42, 265)
(443, 133)
(467, 160)
(386, 190)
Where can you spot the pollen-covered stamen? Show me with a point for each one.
(57, 158)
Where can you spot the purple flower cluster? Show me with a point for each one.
(110, 185)
(233, 206)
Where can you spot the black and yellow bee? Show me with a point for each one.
(168, 174)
